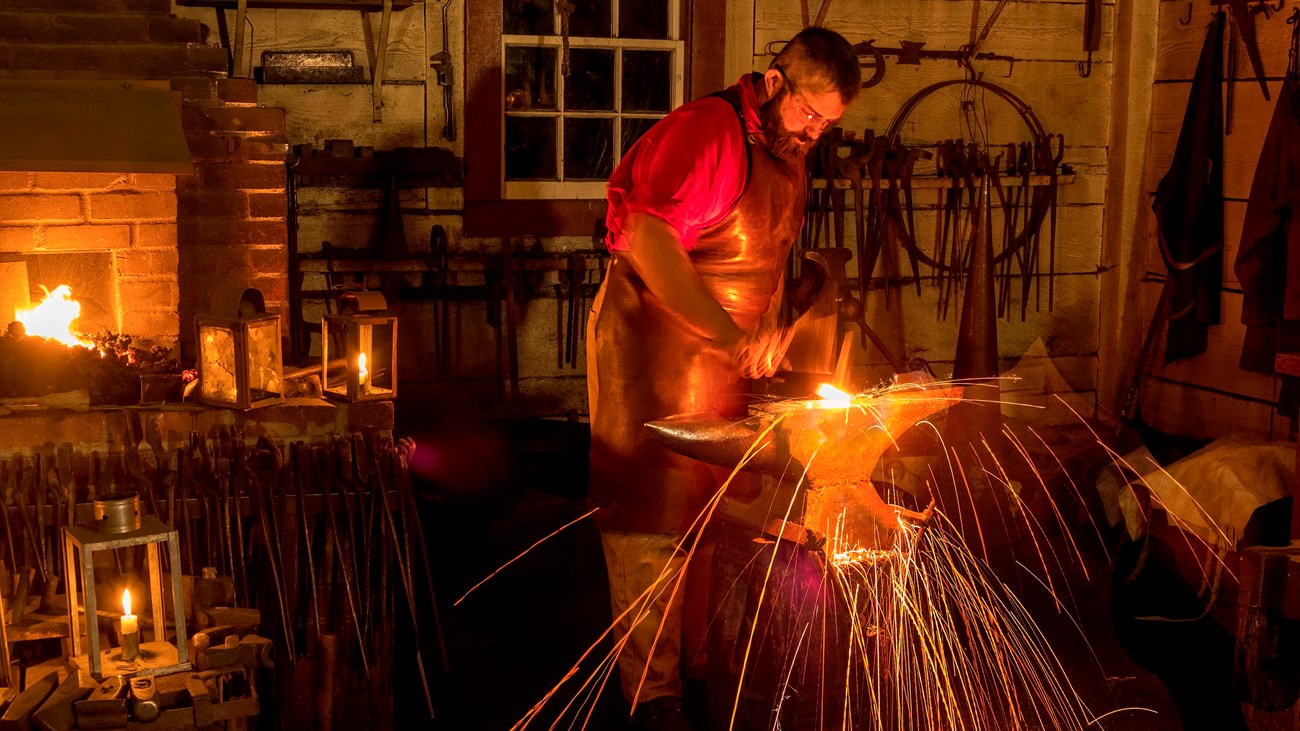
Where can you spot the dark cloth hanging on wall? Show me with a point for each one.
(1189, 208)
(1268, 259)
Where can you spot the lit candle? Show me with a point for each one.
(130, 629)
(363, 374)
(129, 621)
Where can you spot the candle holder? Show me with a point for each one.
(120, 524)
(240, 364)
(359, 349)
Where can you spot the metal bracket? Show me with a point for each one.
(380, 54)
(440, 62)
(241, 16)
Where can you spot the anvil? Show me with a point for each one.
(834, 444)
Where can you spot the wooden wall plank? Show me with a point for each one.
(1025, 30)
(1054, 90)
(1185, 409)
(1069, 329)
(1217, 367)
(318, 113)
(340, 30)
(1180, 45)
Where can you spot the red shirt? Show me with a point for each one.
(688, 169)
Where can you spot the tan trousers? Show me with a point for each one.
(639, 563)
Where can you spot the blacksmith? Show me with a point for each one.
(703, 211)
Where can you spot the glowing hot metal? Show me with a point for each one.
(837, 441)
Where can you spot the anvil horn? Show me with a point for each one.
(717, 441)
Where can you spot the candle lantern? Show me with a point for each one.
(359, 349)
(240, 364)
(119, 524)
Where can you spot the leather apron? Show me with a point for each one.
(644, 365)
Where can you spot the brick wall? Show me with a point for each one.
(173, 239)
(233, 210)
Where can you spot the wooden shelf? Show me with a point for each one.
(930, 183)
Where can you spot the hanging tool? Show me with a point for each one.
(379, 58)
(561, 331)
(910, 53)
(1131, 408)
(1230, 77)
(1091, 34)
(440, 62)
(821, 13)
(1244, 21)
(971, 51)
(510, 288)
(576, 276)
(439, 277)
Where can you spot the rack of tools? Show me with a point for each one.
(322, 544)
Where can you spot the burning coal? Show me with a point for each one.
(43, 353)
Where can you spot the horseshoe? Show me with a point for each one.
(870, 57)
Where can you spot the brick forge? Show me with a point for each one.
(148, 249)
(110, 236)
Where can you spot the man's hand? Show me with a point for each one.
(762, 354)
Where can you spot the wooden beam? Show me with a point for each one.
(300, 4)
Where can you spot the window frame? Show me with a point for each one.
(561, 188)
(701, 28)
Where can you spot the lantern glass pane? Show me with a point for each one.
(376, 342)
(334, 348)
(264, 362)
(217, 364)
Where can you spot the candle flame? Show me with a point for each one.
(361, 368)
(126, 602)
(53, 317)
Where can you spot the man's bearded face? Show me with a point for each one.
(791, 146)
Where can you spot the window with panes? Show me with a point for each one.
(564, 133)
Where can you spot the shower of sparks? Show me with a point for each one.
(936, 642)
(914, 631)
(525, 552)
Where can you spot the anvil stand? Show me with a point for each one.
(758, 618)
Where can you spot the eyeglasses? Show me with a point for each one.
(812, 119)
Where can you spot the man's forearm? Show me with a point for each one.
(659, 259)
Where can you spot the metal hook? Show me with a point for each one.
(1084, 67)
(1265, 7)
(1188, 21)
